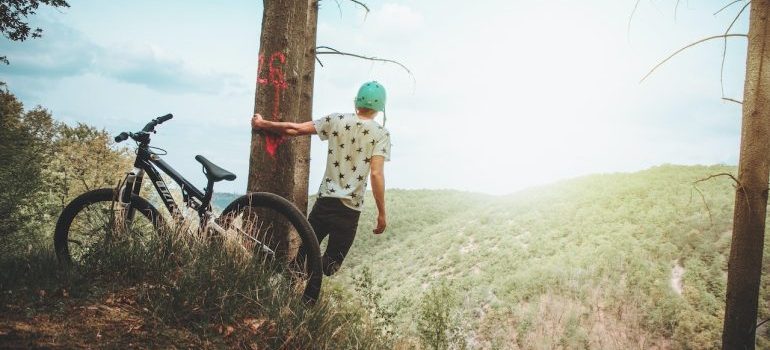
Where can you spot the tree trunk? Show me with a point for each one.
(745, 264)
(276, 164)
(306, 104)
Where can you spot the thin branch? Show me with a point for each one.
(628, 30)
(726, 6)
(737, 183)
(676, 7)
(724, 48)
(761, 323)
(333, 51)
(687, 47)
(359, 3)
(362, 5)
(732, 100)
(319, 61)
(703, 199)
(339, 7)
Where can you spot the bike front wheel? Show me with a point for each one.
(273, 226)
(96, 215)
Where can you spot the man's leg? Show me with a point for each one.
(318, 222)
(343, 231)
(318, 219)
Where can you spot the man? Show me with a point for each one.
(358, 146)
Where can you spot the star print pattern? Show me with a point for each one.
(365, 139)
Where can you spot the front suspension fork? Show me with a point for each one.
(132, 185)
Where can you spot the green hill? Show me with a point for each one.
(603, 261)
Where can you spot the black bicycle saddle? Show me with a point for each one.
(214, 172)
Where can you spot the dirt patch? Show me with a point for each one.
(110, 321)
(677, 272)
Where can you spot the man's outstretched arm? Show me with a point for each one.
(378, 190)
(282, 128)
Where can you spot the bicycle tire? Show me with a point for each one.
(106, 197)
(308, 239)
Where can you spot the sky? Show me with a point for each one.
(504, 95)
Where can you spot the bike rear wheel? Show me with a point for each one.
(273, 226)
(96, 215)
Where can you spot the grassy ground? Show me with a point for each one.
(170, 291)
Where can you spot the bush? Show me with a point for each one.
(437, 325)
(25, 140)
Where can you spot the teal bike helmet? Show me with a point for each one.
(371, 95)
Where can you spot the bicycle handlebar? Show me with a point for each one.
(159, 120)
(121, 137)
(150, 127)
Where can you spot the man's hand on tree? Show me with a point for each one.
(256, 121)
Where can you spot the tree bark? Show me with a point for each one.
(302, 173)
(277, 164)
(745, 264)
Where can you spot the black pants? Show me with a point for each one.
(329, 217)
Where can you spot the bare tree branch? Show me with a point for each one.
(636, 5)
(761, 323)
(724, 48)
(359, 3)
(362, 5)
(726, 6)
(732, 100)
(676, 7)
(703, 198)
(689, 46)
(333, 51)
(705, 204)
(339, 7)
(738, 185)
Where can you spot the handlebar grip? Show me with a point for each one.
(164, 118)
(121, 137)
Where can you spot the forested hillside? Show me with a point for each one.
(602, 261)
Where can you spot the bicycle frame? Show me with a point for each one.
(146, 163)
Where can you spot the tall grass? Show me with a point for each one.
(214, 288)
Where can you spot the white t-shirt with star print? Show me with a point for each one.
(352, 144)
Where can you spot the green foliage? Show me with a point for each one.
(84, 159)
(46, 164)
(589, 261)
(13, 16)
(370, 296)
(434, 323)
(437, 325)
(25, 140)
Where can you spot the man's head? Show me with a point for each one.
(371, 96)
(366, 112)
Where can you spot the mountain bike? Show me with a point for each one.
(261, 220)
